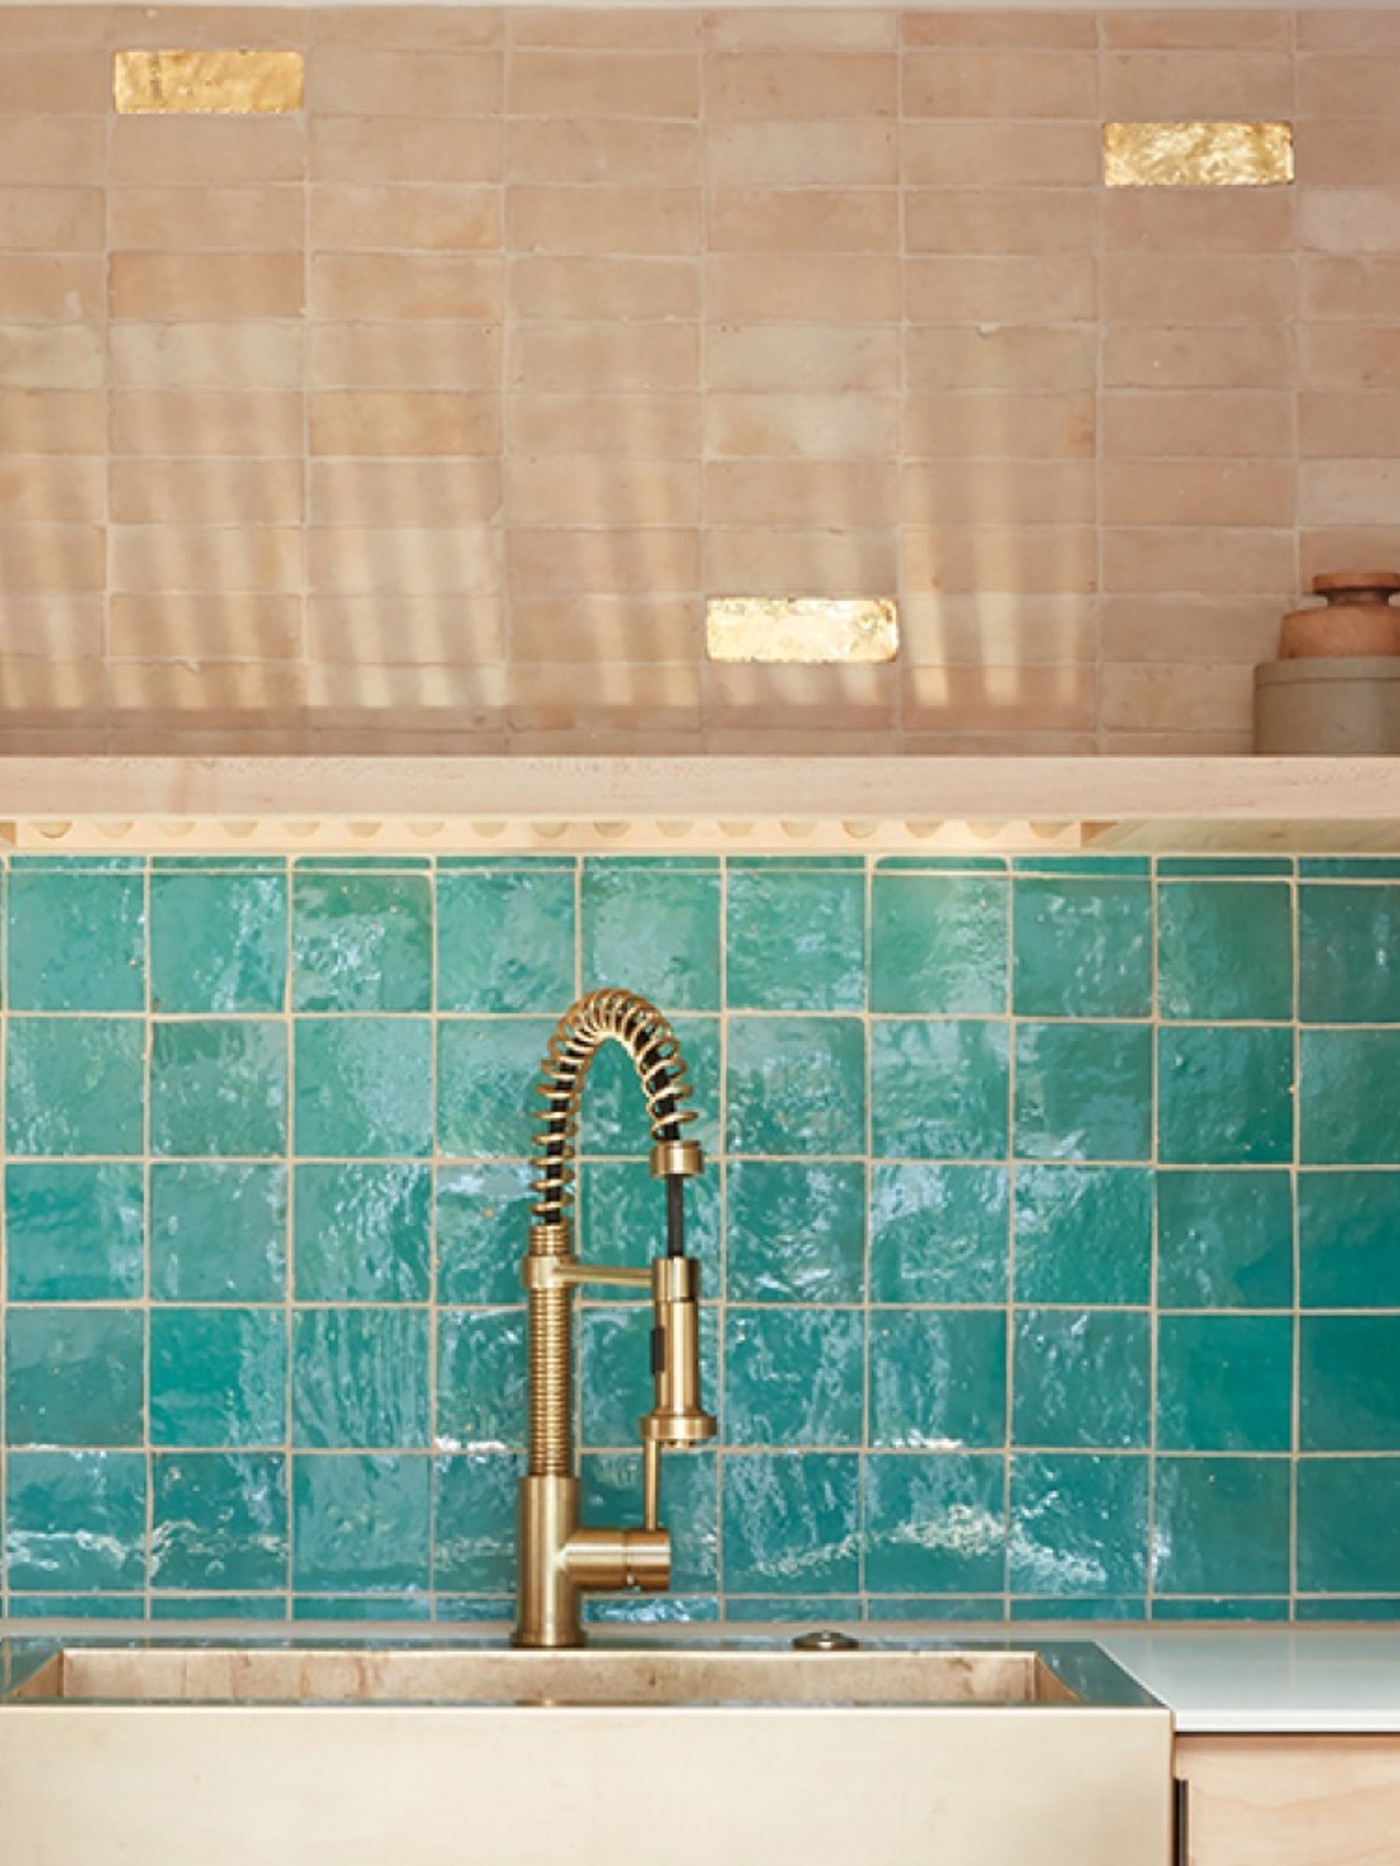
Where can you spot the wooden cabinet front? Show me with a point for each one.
(1290, 1801)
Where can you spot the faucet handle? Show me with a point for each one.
(678, 1418)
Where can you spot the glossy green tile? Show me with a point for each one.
(505, 940)
(487, 1073)
(1347, 1227)
(77, 1606)
(1252, 1607)
(1082, 1378)
(614, 1110)
(1347, 940)
(1083, 1092)
(360, 1378)
(218, 1232)
(612, 1487)
(979, 1608)
(1083, 1234)
(1078, 1523)
(622, 1214)
(364, 1086)
(791, 1522)
(74, 1232)
(615, 1370)
(1221, 1526)
(938, 1233)
(796, 1085)
(1349, 1081)
(218, 1377)
(1349, 1609)
(474, 1522)
(796, 1231)
(935, 1524)
(793, 1376)
(339, 864)
(75, 1085)
(794, 1609)
(1083, 948)
(219, 1088)
(360, 1524)
(940, 864)
(361, 942)
(74, 1376)
(482, 1402)
(654, 930)
(181, 1606)
(397, 1609)
(1224, 1240)
(649, 1610)
(939, 1089)
(795, 939)
(939, 944)
(1225, 1096)
(218, 942)
(1082, 867)
(1348, 1525)
(1348, 1397)
(77, 941)
(1222, 867)
(219, 1521)
(364, 1233)
(1080, 1607)
(937, 1379)
(76, 1520)
(1225, 951)
(1225, 1382)
(483, 1225)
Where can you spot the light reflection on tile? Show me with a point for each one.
(1197, 155)
(809, 629)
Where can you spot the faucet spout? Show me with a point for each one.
(561, 1558)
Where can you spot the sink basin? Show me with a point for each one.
(296, 1752)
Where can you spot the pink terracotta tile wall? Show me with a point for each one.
(426, 418)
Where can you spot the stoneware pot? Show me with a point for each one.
(1357, 618)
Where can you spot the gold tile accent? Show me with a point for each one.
(207, 83)
(801, 628)
(1197, 155)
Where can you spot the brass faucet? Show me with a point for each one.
(561, 1558)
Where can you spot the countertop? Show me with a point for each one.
(1276, 1682)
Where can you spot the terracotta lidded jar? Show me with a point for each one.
(1357, 618)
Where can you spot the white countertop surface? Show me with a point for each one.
(1267, 1682)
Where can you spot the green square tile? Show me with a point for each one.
(1224, 1240)
(622, 1221)
(218, 1232)
(938, 1233)
(360, 1524)
(74, 1232)
(488, 1069)
(791, 1522)
(1222, 867)
(1083, 947)
(654, 929)
(1225, 951)
(1083, 1378)
(364, 1233)
(795, 939)
(482, 1401)
(218, 942)
(364, 1085)
(796, 1085)
(74, 1376)
(1078, 1523)
(219, 1521)
(1349, 1084)
(1225, 1096)
(936, 1524)
(939, 1090)
(614, 1110)
(505, 940)
(793, 1376)
(218, 1377)
(1348, 1526)
(219, 1088)
(1081, 867)
(178, 1606)
(94, 1607)
(76, 1519)
(1259, 1608)
(1084, 1234)
(360, 1378)
(793, 1609)
(362, 942)
(1221, 1526)
(1347, 939)
(615, 1370)
(1084, 1092)
(1225, 1382)
(474, 1522)
(938, 1378)
(939, 944)
(1349, 868)
(1347, 1227)
(796, 1231)
(1348, 1396)
(77, 941)
(75, 1085)
(483, 1229)
(612, 1484)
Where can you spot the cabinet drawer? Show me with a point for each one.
(1290, 1801)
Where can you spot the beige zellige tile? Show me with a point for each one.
(51, 220)
(207, 492)
(598, 287)
(69, 27)
(382, 287)
(49, 152)
(1348, 29)
(1334, 547)
(1028, 357)
(190, 220)
(1000, 699)
(58, 356)
(997, 492)
(641, 29)
(370, 81)
(1185, 629)
(551, 561)
(1180, 697)
(999, 628)
(814, 562)
(1198, 220)
(660, 427)
(420, 492)
(1338, 424)
(821, 427)
(601, 489)
(823, 359)
(409, 422)
(38, 558)
(398, 219)
(848, 29)
(1160, 87)
(415, 28)
(592, 627)
(53, 83)
(1000, 83)
(955, 425)
(617, 696)
(205, 694)
(1232, 561)
(404, 356)
(207, 152)
(53, 421)
(1355, 84)
(1199, 492)
(994, 155)
(54, 490)
(1220, 29)
(1055, 221)
(205, 286)
(1251, 424)
(817, 86)
(849, 153)
(418, 632)
(48, 288)
(198, 26)
(553, 83)
(1337, 152)
(38, 629)
(1349, 356)
(203, 422)
(234, 625)
(844, 289)
(571, 150)
(1148, 356)
(406, 559)
(150, 558)
(838, 698)
(1349, 221)
(1184, 288)
(421, 150)
(251, 355)
(1013, 289)
(603, 220)
(1038, 559)
(1016, 28)
(1349, 492)
(819, 220)
(597, 357)
(850, 495)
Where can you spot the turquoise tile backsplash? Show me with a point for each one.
(1052, 1232)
